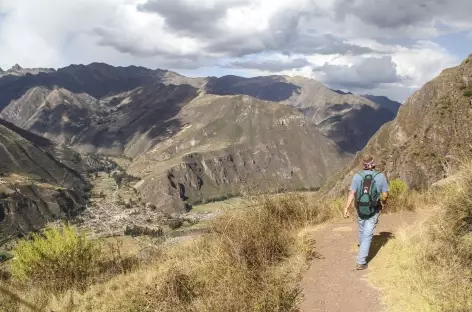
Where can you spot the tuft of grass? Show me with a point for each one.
(58, 259)
(468, 93)
(428, 267)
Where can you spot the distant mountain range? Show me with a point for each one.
(17, 70)
(349, 120)
(194, 139)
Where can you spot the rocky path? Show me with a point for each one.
(332, 284)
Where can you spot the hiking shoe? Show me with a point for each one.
(361, 266)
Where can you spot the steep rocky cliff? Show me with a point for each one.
(429, 138)
(39, 182)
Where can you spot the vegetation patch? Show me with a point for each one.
(57, 259)
(428, 267)
(137, 230)
(250, 260)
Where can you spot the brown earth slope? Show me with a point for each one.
(37, 182)
(233, 144)
(430, 136)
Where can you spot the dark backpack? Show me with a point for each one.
(367, 196)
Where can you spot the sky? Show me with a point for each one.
(380, 47)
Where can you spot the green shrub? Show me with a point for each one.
(400, 198)
(468, 93)
(176, 224)
(397, 188)
(138, 230)
(59, 259)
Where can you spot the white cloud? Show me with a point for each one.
(258, 36)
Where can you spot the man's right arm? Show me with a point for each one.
(351, 197)
(384, 191)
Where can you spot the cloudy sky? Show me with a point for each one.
(382, 47)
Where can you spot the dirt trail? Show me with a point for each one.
(332, 284)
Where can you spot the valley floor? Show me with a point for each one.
(332, 284)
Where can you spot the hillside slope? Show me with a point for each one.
(349, 120)
(125, 124)
(36, 185)
(234, 144)
(430, 136)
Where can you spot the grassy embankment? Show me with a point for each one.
(428, 267)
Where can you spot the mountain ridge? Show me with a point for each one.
(195, 138)
(99, 80)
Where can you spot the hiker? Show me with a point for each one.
(369, 189)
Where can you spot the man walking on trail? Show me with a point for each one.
(369, 191)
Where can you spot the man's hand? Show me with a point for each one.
(383, 199)
(346, 213)
(350, 199)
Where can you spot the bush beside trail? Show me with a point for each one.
(57, 259)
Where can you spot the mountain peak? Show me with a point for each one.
(1, 70)
(16, 67)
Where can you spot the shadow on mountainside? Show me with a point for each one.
(378, 241)
(263, 88)
(151, 111)
(353, 131)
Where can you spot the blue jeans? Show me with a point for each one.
(366, 231)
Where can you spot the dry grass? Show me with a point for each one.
(428, 267)
(251, 261)
(407, 201)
